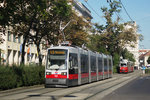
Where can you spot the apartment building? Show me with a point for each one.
(81, 10)
(11, 50)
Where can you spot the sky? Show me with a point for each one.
(139, 11)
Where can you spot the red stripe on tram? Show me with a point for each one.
(56, 76)
(73, 76)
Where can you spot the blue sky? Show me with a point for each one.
(139, 10)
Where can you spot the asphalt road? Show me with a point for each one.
(138, 89)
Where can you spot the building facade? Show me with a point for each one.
(134, 49)
(144, 55)
(11, 50)
(81, 10)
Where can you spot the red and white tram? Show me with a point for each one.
(69, 66)
(126, 66)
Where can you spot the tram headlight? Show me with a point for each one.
(64, 73)
(48, 73)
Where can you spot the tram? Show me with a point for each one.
(71, 65)
(126, 66)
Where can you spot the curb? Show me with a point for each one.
(21, 88)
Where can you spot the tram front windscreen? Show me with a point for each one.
(56, 59)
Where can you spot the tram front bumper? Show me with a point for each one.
(56, 82)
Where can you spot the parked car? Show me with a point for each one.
(148, 66)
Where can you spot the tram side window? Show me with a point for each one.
(93, 64)
(84, 63)
(105, 65)
(110, 65)
(73, 62)
(128, 64)
(100, 64)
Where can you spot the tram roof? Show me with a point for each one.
(76, 47)
(63, 47)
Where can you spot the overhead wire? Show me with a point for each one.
(117, 14)
(126, 10)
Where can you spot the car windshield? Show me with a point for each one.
(57, 59)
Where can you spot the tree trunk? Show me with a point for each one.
(39, 54)
(22, 51)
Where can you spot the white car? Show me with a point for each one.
(148, 66)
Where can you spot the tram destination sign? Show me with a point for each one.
(57, 52)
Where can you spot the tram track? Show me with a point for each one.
(67, 93)
(24, 90)
(92, 89)
(100, 94)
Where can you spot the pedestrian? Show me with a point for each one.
(143, 68)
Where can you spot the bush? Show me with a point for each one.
(116, 60)
(33, 75)
(147, 71)
(16, 76)
(8, 78)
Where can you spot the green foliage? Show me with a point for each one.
(62, 9)
(8, 78)
(127, 55)
(147, 71)
(113, 37)
(116, 60)
(41, 16)
(32, 76)
(148, 60)
(16, 76)
(95, 45)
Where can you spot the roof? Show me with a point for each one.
(144, 50)
(143, 55)
(147, 54)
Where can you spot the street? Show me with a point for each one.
(93, 91)
(137, 89)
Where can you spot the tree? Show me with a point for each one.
(25, 17)
(127, 55)
(148, 60)
(76, 32)
(6, 13)
(113, 37)
(47, 23)
(35, 20)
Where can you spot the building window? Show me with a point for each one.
(14, 38)
(9, 36)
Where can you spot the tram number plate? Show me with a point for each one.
(55, 80)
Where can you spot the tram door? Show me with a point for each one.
(84, 68)
(73, 69)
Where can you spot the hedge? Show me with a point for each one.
(17, 76)
(147, 71)
(8, 78)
